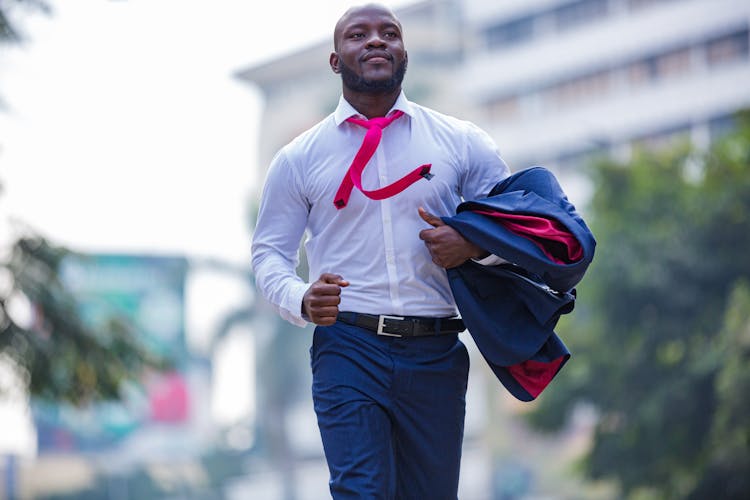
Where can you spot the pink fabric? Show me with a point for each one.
(534, 376)
(370, 143)
(557, 243)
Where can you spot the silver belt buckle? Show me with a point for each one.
(381, 324)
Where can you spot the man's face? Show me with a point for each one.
(370, 54)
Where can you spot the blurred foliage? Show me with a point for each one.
(10, 12)
(9, 31)
(661, 337)
(58, 356)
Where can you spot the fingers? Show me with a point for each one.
(429, 218)
(429, 234)
(333, 279)
(323, 310)
(447, 247)
(326, 291)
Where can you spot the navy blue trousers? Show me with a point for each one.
(390, 412)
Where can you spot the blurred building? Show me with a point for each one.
(556, 81)
(553, 81)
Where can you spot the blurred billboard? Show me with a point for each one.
(148, 293)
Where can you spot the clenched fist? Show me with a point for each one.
(321, 300)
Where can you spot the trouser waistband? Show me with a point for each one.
(403, 326)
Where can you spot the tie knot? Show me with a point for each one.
(379, 122)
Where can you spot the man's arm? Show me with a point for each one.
(282, 218)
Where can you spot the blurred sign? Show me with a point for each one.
(147, 292)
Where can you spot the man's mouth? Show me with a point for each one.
(377, 58)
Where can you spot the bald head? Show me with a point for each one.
(363, 10)
(369, 54)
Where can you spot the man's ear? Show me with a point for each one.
(334, 62)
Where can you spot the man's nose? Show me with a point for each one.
(375, 40)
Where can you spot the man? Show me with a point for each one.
(389, 372)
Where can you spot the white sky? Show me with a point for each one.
(126, 130)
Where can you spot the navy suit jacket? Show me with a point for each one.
(511, 309)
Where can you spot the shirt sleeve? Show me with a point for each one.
(282, 218)
(484, 169)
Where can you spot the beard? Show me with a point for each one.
(357, 83)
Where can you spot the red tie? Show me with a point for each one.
(370, 143)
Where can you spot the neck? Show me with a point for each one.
(371, 105)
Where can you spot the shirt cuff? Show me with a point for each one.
(292, 309)
(490, 260)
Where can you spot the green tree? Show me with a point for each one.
(660, 338)
(56, 355)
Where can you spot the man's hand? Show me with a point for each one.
(446, 245)
(321, 301)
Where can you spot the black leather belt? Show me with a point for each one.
(403, 326)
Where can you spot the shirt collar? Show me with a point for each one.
(345, 110)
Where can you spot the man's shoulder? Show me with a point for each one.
(439, 118)
(451, 128)
(310, 138)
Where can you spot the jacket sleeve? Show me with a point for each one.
(511, 310)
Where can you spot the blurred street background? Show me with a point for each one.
(137, 361)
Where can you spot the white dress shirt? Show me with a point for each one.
(372, 244)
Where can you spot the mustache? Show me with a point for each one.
(377, 53)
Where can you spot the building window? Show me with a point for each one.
(727, 48)
(574, 13)
(639, 4)
(673, 63)
(502, 109)
(525, 28)
(659, 67)
(664, 139)
(641, 72)
(578, 90)
(509, 33)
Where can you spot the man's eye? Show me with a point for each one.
(356, 35)
(391, 34)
